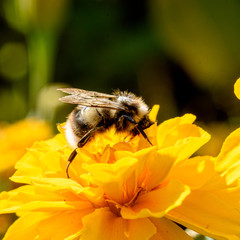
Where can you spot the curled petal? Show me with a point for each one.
(158, 202)
(112, 177)
(41, 160)
(228, 161)
(152, 167)
(181, 136)
(166, 128)
(105, 224)
(156, 168)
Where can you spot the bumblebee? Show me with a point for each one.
(97, 112)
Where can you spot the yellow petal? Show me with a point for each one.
(27, 166)
(41, 160)
(182, 136)
(11, 201)
(228, 161)
(69, 190)
(62, 225)
(139, 176)
(157, 202)
(209, 215)
(47, 206)
(103, 224)
(43, 226)
(152, 167)
(237, 88)
(157, 166)
(112, 177)
(170, 125)
(197, 172)
(230, 196)
(25, 227)
(43, 198)
(167, 230)
(141, 169)
(153, 113)
(46, 165)
(59, 183)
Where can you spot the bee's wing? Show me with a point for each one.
(90, 99)
(81, 92)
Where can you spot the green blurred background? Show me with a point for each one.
(183, 55)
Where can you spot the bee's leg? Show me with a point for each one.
(70, 159)
(86, 137)
(143, 133)
(130, 119)
(80, 144)
(140, 130)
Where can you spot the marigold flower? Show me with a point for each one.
(15, 138)
(122, 189)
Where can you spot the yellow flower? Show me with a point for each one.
(237, 88)
(122, 189)
(15, 138)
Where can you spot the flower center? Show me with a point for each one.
(116, 207)
(134, 198)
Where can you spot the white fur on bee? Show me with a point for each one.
(70, 136)
(142, 109)
(125, 99)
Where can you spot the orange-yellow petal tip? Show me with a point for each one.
(237, 88)
(153, 113)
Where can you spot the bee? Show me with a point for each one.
(97, 112)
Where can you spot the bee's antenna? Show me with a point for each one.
(130, 119)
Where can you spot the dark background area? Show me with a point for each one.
(183, 55)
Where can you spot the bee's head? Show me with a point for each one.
(134, 105)
(145, 122)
